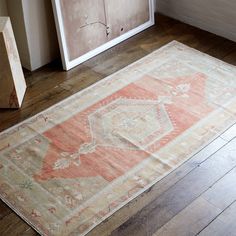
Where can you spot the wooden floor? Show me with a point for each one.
(199, 198)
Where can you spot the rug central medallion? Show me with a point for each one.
(122, 125)
(129, 123)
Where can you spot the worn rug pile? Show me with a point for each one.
(69, 168)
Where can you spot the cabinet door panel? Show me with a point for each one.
(124, 15)
(84, 24)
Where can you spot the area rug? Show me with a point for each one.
(69, 168)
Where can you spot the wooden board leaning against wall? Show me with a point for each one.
(92, 26)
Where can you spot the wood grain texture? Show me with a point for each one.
(189, 221)
(222, 225)
(4, 210)
(223, 193)
(50, 85)
(18, 228)
(181, 194)
(230, 134)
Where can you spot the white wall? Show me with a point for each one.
(216, 16)
(3, 8)
(15, 11)
(35, 32)
(40, 31)
(13, 8)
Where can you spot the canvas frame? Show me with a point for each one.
(69, 64)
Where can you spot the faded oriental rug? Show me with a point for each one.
(69, 168)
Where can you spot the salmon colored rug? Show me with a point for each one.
(69, 168)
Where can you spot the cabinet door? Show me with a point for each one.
(84, 26)
(123, 16)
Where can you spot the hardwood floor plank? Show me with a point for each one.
(223, 193)
(183, 193)
(229, 134)
(189, 166)
(222, 225)
(30, 232)
(4, 210)
(224, 48)
(196, 182)
(191, 220)
(12, 225)
(202, 211)
(230, 58)
(133, 207)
